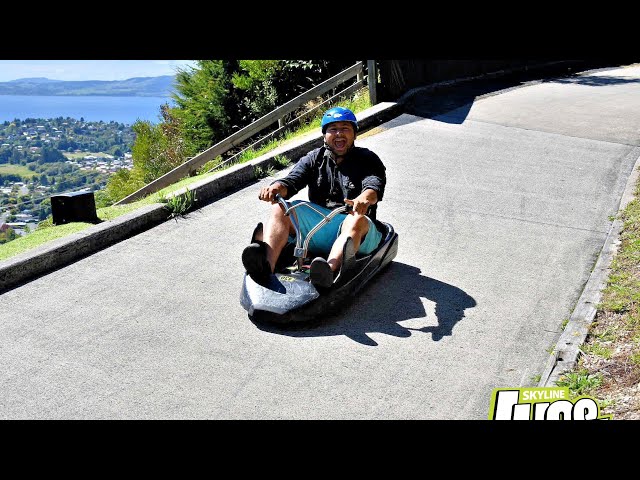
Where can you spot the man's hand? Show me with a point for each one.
(363, 201)
(268, 194)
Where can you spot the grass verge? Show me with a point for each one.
(609, 367)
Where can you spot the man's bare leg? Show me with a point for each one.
(276, 233)
(355, 226)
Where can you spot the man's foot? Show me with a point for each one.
(254, 259)
(320, 273)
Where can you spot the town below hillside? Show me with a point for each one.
(40, 158)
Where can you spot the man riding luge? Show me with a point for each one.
(337, 173)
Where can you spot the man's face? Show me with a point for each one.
(340, 137)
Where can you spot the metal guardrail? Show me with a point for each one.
(192, 165)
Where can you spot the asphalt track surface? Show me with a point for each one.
(502, 203)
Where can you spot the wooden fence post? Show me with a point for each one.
(372, 80)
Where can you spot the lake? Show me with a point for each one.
(92, 108)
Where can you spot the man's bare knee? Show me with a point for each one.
(277, 211)
(356, 224)
(277, 219)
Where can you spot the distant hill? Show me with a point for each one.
(35, 80)
(132, 87)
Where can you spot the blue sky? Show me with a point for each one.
(88, 69)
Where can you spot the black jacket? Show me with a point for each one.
(329, 184)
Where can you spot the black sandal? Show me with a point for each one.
(254, 259)
(320, 273)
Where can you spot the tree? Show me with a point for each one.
(158, 148)
(255, 80)
(8, 235)
(45, 210)
(200, 99)
(267, 84)
(15, 157)
(4, 155)
(51, 155)
(121, 184)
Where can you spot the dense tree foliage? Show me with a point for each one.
(201, 98)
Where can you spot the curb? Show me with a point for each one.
(61, 252)
(567, 352)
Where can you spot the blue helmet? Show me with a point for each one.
(338, 114)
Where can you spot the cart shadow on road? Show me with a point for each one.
(396, 295)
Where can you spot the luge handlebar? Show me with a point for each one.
(301, 251)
